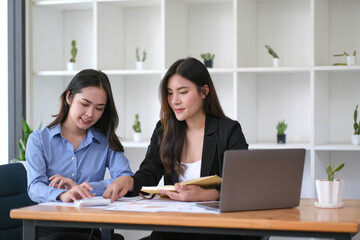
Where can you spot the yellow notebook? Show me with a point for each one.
(205, 182)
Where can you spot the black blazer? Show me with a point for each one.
(220, 134)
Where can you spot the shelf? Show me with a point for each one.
(274, 70)
(132, 3)
(65, 4)
(337, 68)
(215, 70)
(55, 73)
(337, 147)
(220, 70)
(193, 2)
(253, 146)
(133, 72)
(132, 144)
(62, 73)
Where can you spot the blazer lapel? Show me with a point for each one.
(209, 147)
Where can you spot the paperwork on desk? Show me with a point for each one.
(138, 204)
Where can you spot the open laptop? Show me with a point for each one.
(260, 179)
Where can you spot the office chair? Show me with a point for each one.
(13, 194)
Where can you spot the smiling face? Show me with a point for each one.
(86, 107)
(184, 98)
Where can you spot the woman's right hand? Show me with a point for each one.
(119, 187)
(77, 192)
(59, 181)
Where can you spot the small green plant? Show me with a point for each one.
(344, 54)
(138, 56)
(341, 55)
(330, 170)
(281, 127)
(207, 56)
(23, 140)
(271, 51)
(136, 125)
(356, 125)
(73, 51)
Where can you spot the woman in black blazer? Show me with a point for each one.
(190, 139)
(188, 142)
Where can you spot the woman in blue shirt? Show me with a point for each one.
(67, 159)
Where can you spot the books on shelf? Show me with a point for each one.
(205, 182)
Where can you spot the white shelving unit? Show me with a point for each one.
(316, 99)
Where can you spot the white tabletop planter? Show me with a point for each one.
(329, 193)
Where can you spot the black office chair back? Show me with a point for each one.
(13, 194)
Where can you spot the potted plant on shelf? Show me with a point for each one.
(23, 142)
(71, 66)
(137, 129)
(281, 127)
(139, 62)
(329, 191)
(208, 59)
(274, 55)
(355, 138)
(349, 59)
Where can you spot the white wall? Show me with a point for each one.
(4, 83)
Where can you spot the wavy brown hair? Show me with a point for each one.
(109, 120)
(174, 130)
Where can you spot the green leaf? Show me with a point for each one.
(23, 140)
(271, 51)
(22, 150)
(328, 168)
(338, 168)
(330, 171)
(25, 127)
(22, 146)
(355, 113)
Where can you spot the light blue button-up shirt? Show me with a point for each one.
(49, 153)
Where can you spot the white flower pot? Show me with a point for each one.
(275, 62)
(350, 60)
(355, 139)
(329, 193)
(71, 66)
(139, 65)
(137, 137)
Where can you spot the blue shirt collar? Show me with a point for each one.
(92, 133)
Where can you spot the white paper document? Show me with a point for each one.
(158, 205)
(97, 202)
(137, 204)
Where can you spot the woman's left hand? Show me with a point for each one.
(192, 193)
(59, 181)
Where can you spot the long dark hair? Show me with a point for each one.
(174, 130)
(109, 120)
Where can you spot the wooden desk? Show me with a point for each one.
(303, 221)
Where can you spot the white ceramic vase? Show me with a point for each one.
(71, 66)
(137, 137)
(275, 62)
(329, 193)
(350, 60)
(355, 139)
(139, 65)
